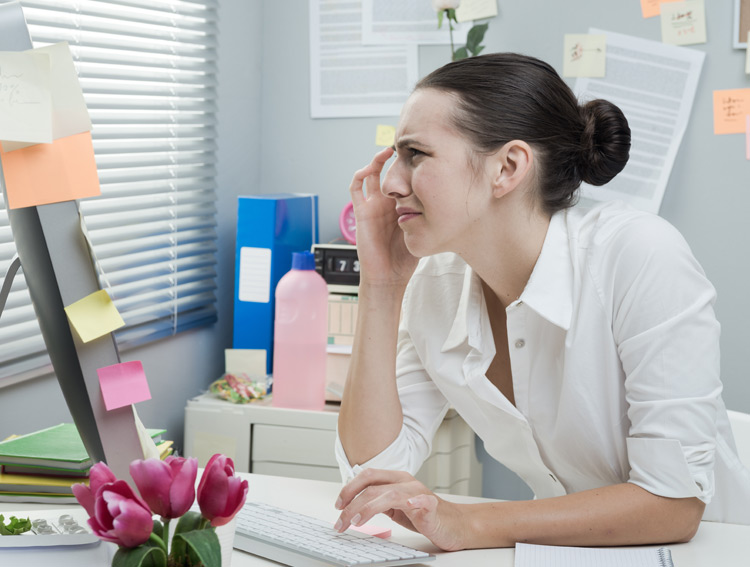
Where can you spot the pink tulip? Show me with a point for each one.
(99, 475)
(120, 516)
(220, 493)
(168, 486)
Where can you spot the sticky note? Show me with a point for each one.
(25, 99)
(245, 360)
(476, 10)
(584, 55)
(376, 531)
(123, 384)
(64, 170)
(94, 316)
(683, 23)
(730, 108)
(385, 135)
(651, 8)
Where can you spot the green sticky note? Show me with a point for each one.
(94, 316)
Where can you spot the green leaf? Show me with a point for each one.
(203, 547)
(188, 522)
(14, 525)
(475, 37)
(460, 53)
(158, 529)
(452, 15)
(478, 50)
(141, 556)
(441, 13)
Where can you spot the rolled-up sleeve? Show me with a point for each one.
(668, 340)
(424, 408)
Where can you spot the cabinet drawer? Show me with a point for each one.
(297, 471)
(295, 445)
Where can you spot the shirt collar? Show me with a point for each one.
(548, 291)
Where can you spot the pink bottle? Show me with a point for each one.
(300, 336)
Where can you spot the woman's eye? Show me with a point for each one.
(413, 152)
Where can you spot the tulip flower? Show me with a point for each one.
(168, 486)
(120, 516)
(220, 493)
(99, 475)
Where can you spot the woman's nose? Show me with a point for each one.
(396, 182)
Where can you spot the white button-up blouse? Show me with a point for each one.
(614, 351)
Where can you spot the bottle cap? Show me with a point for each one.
(303, 261)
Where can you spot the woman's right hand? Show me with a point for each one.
(383, 256)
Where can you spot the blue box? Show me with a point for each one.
(269, 229)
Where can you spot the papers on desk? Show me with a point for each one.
(528, 555)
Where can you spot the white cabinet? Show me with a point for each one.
(299, 443)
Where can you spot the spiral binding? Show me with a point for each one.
(665, 557)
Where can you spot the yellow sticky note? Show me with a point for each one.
(683, 23)
(651, 8)
(249, 361)
(476, 10)
(584, 55)
(385, 135)
(730, 108)
(94, 316)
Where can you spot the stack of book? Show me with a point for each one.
(42, 466)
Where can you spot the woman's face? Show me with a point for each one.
(437, 193)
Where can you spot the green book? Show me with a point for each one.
(59, 447)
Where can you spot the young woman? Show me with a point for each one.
(580, 345)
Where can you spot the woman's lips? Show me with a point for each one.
(406, 215)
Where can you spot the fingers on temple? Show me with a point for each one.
(371, 171)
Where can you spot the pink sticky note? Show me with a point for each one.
(123, 384)
(376, 531)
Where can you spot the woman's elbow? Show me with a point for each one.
(689, 521)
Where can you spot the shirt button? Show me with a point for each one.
(520, 343)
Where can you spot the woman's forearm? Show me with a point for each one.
(621, 514)
(370, 418)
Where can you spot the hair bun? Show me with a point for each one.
(605, 142)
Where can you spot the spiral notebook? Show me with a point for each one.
(528, 555)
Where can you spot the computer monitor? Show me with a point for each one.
(59, 271)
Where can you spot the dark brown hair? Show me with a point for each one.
(507, 96)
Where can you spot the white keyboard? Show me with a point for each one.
(301, 541)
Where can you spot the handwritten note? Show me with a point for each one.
(64, 170)
(651, 8)
(245, 360)
(476, 10)
(683, 23)
(25, 101)
(385, 135)
(94, 316)
(584, 55)
(730, 108)
(123, 384)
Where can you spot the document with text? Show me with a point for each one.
(349, 79)
(654, 84)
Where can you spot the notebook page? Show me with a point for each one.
(528, 555)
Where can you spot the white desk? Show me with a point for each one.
(720, 545)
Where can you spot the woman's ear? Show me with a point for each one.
(510, 166)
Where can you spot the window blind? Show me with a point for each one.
(148, 72)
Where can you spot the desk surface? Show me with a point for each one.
(723, 545)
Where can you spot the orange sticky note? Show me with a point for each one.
(64, 170)
(650, 8)
(730, 108)
(123, 384)
(94, 316)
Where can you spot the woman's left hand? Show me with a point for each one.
(407, 502)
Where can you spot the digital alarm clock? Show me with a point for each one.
(339, 266)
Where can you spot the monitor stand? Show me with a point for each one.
(59, 271)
